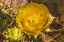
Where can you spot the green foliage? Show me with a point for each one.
(5, 19)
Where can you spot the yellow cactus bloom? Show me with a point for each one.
(13, 34)
(33, 19)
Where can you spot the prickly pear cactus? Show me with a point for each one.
(5, 20)
(34, 18)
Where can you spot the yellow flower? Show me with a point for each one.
(13, 34)
(33, 19)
